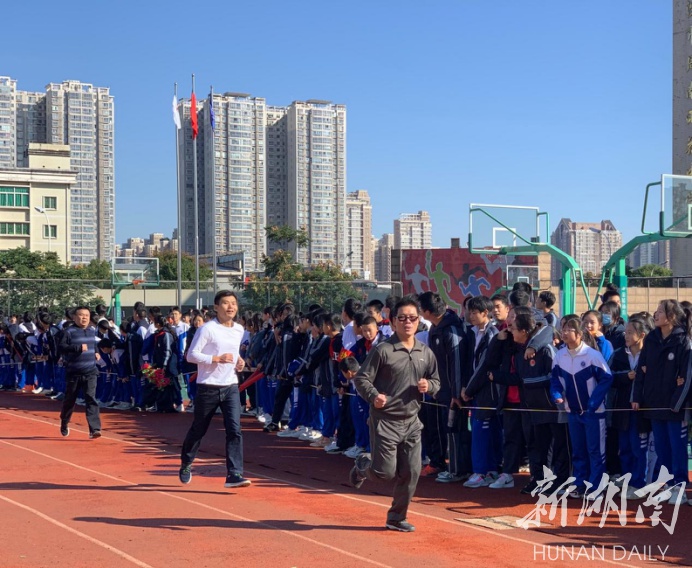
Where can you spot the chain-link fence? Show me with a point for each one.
(20, 295)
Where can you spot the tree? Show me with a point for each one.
(282, 235)
(646, 276)
(168, 269)
(29, 280)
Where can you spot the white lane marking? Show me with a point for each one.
(91, 539)
(294, 484)
(198, 504)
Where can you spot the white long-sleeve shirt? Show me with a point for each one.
(214, 339)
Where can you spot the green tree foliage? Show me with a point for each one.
(647, 274)
(168, 269)
(32, 279)
(283, 235)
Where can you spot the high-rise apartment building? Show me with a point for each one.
(231, 185)
(80, 116)
(681, 249)
(413, 231)
(383, 258)
(359, 251)
(590, 244)
(650, 253)
(272, 166)
(316, 188)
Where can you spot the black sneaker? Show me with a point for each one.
(95, 434)
(236, 480)
(272, 427)
(529, 487)
(185, 474)
(64, 430)
(401, 526)
(355, 478)
(363, 462)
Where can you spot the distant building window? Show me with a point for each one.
(50, 202)
(14, 197)
(50, 231)
(14, 228)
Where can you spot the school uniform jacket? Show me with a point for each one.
(486, 357)
(622, 385)
(665, 360)
(449, 343)
(582, 379)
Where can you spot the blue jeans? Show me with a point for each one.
(670, 439)
(209, 398)
(587, 434)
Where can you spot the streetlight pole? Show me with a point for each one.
(42, 210)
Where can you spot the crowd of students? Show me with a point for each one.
(581, 396)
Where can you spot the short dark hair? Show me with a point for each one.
(351, 306)
(480, 304)
(359, 317)
(369, 320)
(519, 298)
(377, 304)
(224, 294)
(138, 306)
(548, 298)
(101, 309)
(333, 321)
(349, 364)
(407, 301)
(500, 298)
(141, 313)
(105, 343)
(432, 302)
(610, 291)
(523, 287)
(74, 312)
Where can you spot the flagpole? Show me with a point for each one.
(180, 212)
(213, 181)
(198, 303)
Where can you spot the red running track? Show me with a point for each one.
(74, 502)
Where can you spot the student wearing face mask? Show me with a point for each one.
(613, 326)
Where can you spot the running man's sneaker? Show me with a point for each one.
(95, 434)
(430, 471)
(64, 430)
(505, 481)
(236, 480)
(446, 477)
(401, 526)
(355, 478)
(479, 480)
(185, 473)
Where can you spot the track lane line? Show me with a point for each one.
(294, 484)
(122, 554)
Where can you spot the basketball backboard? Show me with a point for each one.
(676, 206)
(135, 271)
(494, 227)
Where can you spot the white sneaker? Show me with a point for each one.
(675, 495)
(289, 433)
(80, 402)
(314, 436)
(304, 434)
(354, 452)
(632, 494)
(446, 477)
(479, 480)
(38, 390)
(504, 481)
(331, 446)
(180, 407)
(124, 406)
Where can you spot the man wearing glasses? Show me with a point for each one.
(393, 379)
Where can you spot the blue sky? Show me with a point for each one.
(561, 105)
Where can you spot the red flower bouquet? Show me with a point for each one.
(156, 377)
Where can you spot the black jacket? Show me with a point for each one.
(664, 360)
(616, 335)
(487, 357)
(623, 386)
(449, 341)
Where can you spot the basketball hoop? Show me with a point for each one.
(137, 283)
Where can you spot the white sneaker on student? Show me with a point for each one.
(313, 436)
(331, 446)
(305, 435)
(675, 495)
(504, 481)
(290, 433)
(447, 477)
(479, 480)
(353, 452)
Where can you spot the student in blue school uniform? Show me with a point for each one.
(580, 380)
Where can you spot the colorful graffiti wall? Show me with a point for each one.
(456, 273)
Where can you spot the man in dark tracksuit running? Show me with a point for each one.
(78, 350)
(393, 378)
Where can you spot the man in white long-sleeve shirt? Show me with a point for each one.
(216, 351)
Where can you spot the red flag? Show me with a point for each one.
(193, 115)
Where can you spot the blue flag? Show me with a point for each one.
(212, 120)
